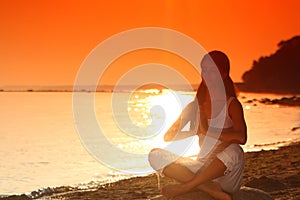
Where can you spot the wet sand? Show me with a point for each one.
(276, 172)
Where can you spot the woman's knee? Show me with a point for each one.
(154, 157)
(159, 158)
(155, 149)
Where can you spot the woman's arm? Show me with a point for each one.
(173, 130)
(183, 119)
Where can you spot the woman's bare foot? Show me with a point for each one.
(171, 191)
(214, 189)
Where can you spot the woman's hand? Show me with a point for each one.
(171, 191)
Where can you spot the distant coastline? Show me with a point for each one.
(102, 88)
(241, 87)
(289, 98)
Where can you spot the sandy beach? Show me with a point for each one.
(276, 172)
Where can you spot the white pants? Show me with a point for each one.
(232, 157)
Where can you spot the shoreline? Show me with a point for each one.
(276, 172)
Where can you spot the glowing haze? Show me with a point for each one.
(44, 42)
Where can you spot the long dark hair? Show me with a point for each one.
(223, 64)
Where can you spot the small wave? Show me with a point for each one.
(52, 192)
(43, 192)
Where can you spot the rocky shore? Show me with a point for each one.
(285, 101)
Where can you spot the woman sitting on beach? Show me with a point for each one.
(219, 166)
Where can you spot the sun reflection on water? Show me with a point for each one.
(154, 107)
(156, 110)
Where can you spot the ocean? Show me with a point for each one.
(42, 144)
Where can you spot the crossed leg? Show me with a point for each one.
(184, 175)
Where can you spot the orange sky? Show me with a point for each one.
(45, 42)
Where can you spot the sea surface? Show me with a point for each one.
(42, 145)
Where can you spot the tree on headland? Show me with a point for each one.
(279, 72)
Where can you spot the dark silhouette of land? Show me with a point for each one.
(277, 73)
